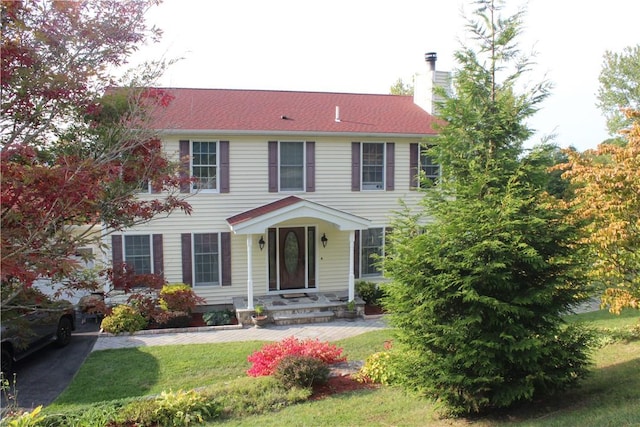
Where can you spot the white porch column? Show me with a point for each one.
(249, 272)
(352, 277)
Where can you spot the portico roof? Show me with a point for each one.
(258, 219)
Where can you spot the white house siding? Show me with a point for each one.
(248, 174)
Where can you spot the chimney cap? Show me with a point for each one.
(430, 56)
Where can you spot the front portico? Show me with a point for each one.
(295, 233)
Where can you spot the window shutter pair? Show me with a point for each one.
(356, 166)
(223, 169)
(310, 166)
(225, 255)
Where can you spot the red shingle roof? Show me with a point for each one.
(305, 112)
(263, 210)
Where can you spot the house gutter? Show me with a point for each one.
(291, 133)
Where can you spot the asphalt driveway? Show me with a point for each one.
(42, 376)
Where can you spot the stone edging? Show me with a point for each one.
(205, 328)
(175, 330)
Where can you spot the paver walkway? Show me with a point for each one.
(330, 331)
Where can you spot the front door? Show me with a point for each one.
(292, 245)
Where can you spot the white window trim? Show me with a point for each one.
(384, 166)
(304, 168)
(193, 261)
(124, 249)
(217, 165)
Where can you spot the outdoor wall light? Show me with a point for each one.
(261, 242)
(324, 240)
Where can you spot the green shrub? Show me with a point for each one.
(182, 408)
(251, 396)
(217, 317)
(379, 369)
(179, 297)
(99, 414)
(123, 318)
(301, 371)
(606, 336)
(370, 292)
(25, 419)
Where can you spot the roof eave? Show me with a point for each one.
(285, 132)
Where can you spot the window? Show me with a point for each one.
(206, 260)
(204, 165)
(137, 253)
(373, 170)
(292, 166)
(373, 166)
(371, 247)
(428, 167)
(144, 186)
(207, 161)
(85, 257)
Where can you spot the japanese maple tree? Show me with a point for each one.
(77, 145)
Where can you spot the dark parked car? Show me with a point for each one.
(30, 322)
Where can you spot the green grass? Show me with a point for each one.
(604, 319)
(610, 397)
(141, 371)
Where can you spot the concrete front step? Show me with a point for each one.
(304, 317)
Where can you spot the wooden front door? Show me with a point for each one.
(292, 246)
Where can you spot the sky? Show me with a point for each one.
(364, 46)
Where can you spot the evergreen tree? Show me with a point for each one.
(483, 275)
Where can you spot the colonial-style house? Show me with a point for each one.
(293, 190)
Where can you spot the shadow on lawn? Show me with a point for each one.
(106, 377)
(603, 393)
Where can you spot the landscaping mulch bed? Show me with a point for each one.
(370, 310)
(339, 384)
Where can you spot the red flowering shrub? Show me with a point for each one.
(265, 361)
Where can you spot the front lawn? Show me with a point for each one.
(611, 396)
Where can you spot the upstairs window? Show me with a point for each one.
(422, 164)
(208, 162)
(292, 166)
(429, 168)
(204, 165)
(372, 166)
